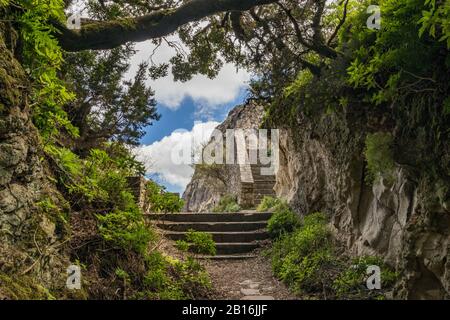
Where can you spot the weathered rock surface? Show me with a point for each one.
(205, 189)
(322, 168)
(28, 240)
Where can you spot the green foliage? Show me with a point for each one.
(268, 203)
(127, 106)
(395, 62)
(122, 274)
(100, 181)
(198, 242)
(436, 20)
(172, 279)
(57, 213)
(299, 258)
(379, 156)
(182, 245)
(161, 201)
(305, 260)
(42, 59)
(227, 203)
(283, 221)
(126, 230)
(23, 288)
(304, 77)
(352, 281)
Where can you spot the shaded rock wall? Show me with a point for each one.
(322, 168)
(29, 239)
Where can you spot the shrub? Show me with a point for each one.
(193, 280)
(379, 156)
(299, 258)
(173, 279)
(198, 242)
(268, 204)
(227, 203)
(284, 220)
(126, 230)
(162, 201)
(352, 281)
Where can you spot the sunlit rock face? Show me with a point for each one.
(322, 168)
(205, 189)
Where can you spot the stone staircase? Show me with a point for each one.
(262, 184)
(236, 234)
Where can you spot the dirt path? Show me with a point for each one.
(248, 279)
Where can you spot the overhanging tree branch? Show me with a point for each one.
(317, 46)
(110, 34)
(341, 23)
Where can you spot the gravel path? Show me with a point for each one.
(248, 279)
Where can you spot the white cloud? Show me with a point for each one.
(158, 156)
(210, 92)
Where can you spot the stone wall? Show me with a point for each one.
(137, 188)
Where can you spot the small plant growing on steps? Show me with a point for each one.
(227, 203)
(197, 242)
(268, 204)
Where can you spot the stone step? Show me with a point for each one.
(264, 193)
(212, 226)
(263, 190)
(226, 248)
(258, 172)
(258, 178)
(245, 236)
(263, 184)
(228, 256)
(261, 197)
(210, 217)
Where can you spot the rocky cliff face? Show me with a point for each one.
(405, 219)
(208, 185)
(29, 239)
(322, 168)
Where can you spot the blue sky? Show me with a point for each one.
(196, 106)
(183, 117)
